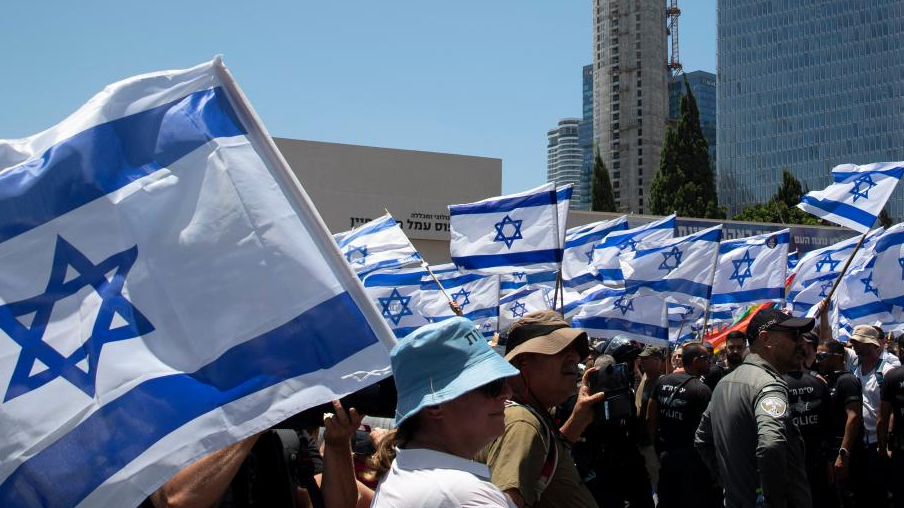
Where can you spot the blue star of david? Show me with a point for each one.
(500, 234)
(518, 309)
(395, 306)
(356, 255)
(675, 254)
(487, 326)
(868, 285)
(624, 307)
(860, 192)
(521, 275)
(738, 275)
(630, 242)
(589, 255)
(827, 260)
(461, 298)
(826, 286)
(30, 339)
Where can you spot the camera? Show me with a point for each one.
(616, 383)
(378, 399)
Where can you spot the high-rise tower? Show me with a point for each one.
(630, 93)
(564, 160)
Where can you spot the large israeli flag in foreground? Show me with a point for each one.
(396, 292)
(606, 252)
(641, 318)
(889, 252)
(857, 301)
(856, 196)
(680, 269)
(497, 234)
(166, 288)
(378, 244)
(577, 272)
(752, 270)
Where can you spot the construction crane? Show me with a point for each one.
(672, 12)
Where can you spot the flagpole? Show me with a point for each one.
(452, 303)
(828, 298)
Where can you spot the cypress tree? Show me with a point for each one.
(601, 187)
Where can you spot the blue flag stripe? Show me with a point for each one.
(864, 310)
(394, 279)
(730, 245)
(390, 263)
(131, 148)
(888, 241)
(710, 236)
(574, 241)
(842, 210)
(752, 295)
(505, 204)
(844, 176)
(684, 286)
(580, 280)
(451, 282)
(162, 405)
(510, 259)
(622, 325)
(369, 230)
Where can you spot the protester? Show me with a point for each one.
(736, 346)
(715, 373)
(810, 405)
(885, 354)
(451, 399)
(674, 412)
(531, 461)
(892, 443)
(871, 369)
(651, 363)
(746, 434)
(846, 449)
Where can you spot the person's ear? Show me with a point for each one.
(433, 412)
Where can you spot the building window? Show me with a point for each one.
(639, 112)
(639, 94)
(640, 162)
(639, 132)
(616, 155)
(639, 141)
(616, 165)
(615, 184)
(614, 117)
(640, 182)
(639, 102)
(640, 171)
(640, 151)
(616, 195)
(640, 203)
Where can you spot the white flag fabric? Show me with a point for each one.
(751, 270)
(857, 301)
(563, 202)
(683, 322)
(396, 292)
(166, 289)
(502, 234)
(680, 269)
(577, 272)
(641, 318)
(890, 264)
(815, 273)
(511, 282)
(522, 302)
(477, 295)
(856, 196)
(378, 244)
(606, 252)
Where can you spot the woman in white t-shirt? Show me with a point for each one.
(451, 400)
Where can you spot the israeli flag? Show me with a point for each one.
(577, 272)
(497, 235)
(396, 293)
(857, 301)
(607, 251)
(521, 303)
(751, 270)
(684, 321)
(815, 274)
(793, 259)
(166, 289)
(680, 269)
(563, 202)
(477, 295)
(641, 318)
(890, 264)
(378, 244)
(857, 195)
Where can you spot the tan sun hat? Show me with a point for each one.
(865, 334)
(543, 332)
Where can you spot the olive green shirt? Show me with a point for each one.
(516, 460)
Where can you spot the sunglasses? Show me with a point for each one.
(823, 356)
(492, 389)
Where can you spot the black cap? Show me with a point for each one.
(773, 319)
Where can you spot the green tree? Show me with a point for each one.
(885, 220)
(601, 187)
(684, 182)
(790, 192)
(782, 207)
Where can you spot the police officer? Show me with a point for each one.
(736, 349)
(673, 413)
(893, 443)
(846, 448)
(746, 432)
(810, 406)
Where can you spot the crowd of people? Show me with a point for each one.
(784, 415)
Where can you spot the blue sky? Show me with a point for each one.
(472, 77)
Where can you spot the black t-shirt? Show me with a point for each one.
(715, 374)
(682, 399)
(893, 393)
(811, 408)
(844, 388)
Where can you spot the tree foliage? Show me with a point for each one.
(684, 182)
(782, 207)
(885, 220)
(602, 199)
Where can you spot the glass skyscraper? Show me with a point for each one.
(703, 86)
(807, 85)
(585, 138)
(564, 160)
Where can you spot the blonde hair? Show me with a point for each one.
(379, 463)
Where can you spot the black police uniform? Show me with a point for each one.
(845, 388)
(893, 393)
(711, 378)
(811, 411)
(684, 480)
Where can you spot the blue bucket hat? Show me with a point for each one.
(440, 362)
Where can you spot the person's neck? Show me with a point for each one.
(868, 363)
(444, 445)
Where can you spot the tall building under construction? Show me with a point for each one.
(630, 94)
